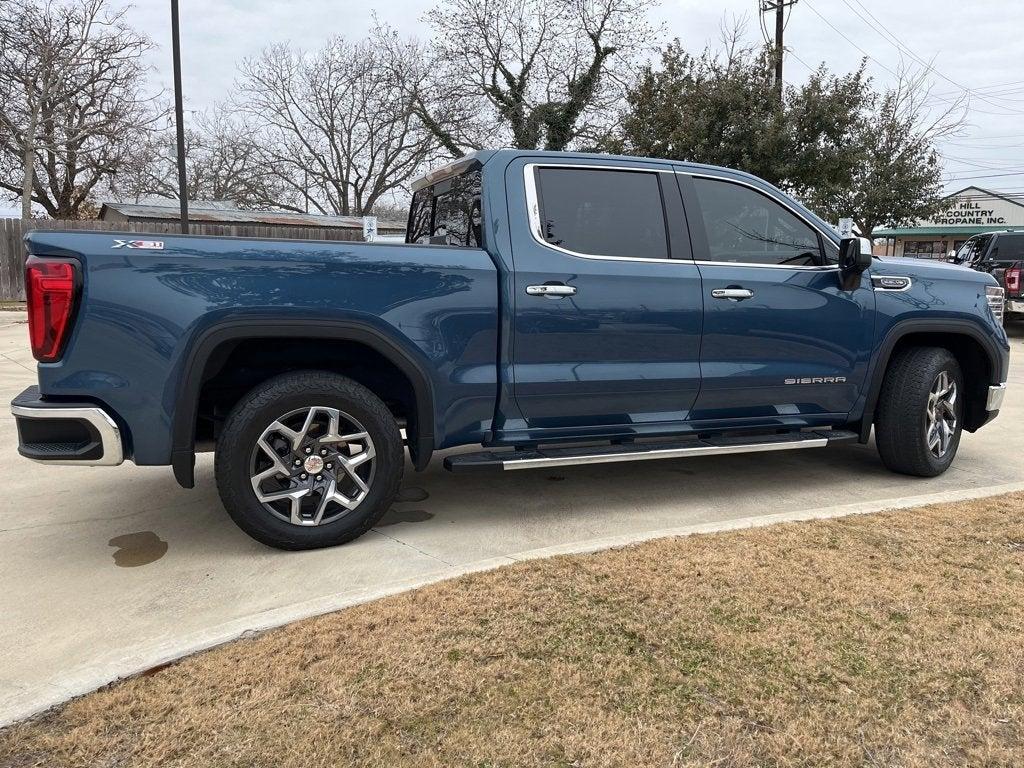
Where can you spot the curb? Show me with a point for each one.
(87, 678)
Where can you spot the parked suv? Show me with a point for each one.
(1001, 254)
(555, 308)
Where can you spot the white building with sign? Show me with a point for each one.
(970, 211)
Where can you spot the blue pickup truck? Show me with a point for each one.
(552, 308)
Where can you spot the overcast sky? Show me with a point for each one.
(975, 45)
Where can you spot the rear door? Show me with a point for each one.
(782, 340)
(607, 300)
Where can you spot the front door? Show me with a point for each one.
(607, 301)
(782, 340)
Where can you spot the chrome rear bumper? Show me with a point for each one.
(65, 433)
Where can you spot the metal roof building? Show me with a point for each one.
(224, 212)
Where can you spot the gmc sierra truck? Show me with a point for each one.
(552, 308)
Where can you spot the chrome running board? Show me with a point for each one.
(605, 454)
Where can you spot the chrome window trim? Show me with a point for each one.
(536, 231)
(533, 211)
(828, 236)
(807, 268)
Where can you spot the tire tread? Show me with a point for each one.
(898, 434)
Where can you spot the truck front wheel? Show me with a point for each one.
(307, 460)
(920, 412)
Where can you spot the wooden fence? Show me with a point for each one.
(12, 250)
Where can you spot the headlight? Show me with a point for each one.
(994, 296)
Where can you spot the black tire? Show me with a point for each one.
(901, 420)
(237, 451)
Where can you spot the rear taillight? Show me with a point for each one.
(1011, 278)
(51, 286)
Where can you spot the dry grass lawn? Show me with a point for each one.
(894, 639)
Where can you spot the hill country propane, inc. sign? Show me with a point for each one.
(977, 207)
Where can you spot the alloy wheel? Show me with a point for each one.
(940, 415)
(312, 465)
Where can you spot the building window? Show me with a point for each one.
(924, 249)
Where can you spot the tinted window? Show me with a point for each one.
(1009, 248)
(603, 212)
(747, 227)
(447, 213)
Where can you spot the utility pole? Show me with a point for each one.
(779, 7)
(179, 115)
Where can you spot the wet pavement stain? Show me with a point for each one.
(555, 478)
(135, 549)
(412, 493)
(396, 516)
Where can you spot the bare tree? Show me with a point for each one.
(222, 162)
(71, 109)
(530, 72)
(898, 176)
(337, 126)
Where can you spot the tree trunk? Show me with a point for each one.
(28, 165)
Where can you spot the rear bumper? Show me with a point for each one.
(1015, 305)
(65, 433)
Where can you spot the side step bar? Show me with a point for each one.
(604, 454)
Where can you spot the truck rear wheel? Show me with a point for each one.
(308, 460)
(920, 412)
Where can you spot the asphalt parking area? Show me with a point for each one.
(109, 571)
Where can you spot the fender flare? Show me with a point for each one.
(998, 361)
(186, 401)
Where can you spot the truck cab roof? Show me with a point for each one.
(485, 156)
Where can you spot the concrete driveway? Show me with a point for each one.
(110, 571)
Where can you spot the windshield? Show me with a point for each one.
(971, 251)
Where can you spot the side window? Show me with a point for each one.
(1007, 248)
(603, 212)
(746, 227)
(447, 213)
(831, 251)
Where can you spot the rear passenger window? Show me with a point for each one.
(746, 227)
(602, 212)
(1008, 248)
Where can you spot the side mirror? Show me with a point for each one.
(853, 260)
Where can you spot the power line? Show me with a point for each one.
(898, 44)
(809, 67)
(1004, 136)
(984, 176)
(988, 89)
(847, 39)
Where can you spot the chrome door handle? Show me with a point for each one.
(551, 290)
(732, 293)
